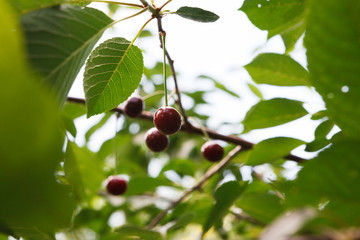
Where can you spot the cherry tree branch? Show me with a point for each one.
(191, 129)
(211, 172)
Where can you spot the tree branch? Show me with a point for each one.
(245, 145)
(211, 172)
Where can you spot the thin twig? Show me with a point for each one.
(245, 145)
(211, 172)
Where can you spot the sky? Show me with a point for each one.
(219, 50)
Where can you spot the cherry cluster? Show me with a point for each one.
(167, 121)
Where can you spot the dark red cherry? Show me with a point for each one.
(134, 106)
(167, 120)
(116, 185)
(156, 141)
(212, 151)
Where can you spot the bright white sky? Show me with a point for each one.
(219, 50)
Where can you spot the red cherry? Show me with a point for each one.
(212, 151)
(116, 185)
(156, 141)
(167, 120)
(134, 106)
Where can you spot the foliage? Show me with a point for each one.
(52, 187)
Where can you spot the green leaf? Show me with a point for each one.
(141, 185)
(112, 74)
(273, 112)
(317, 144)
(323, 129)
(285, 17)
(333, 51)
(225, 196)
(255, 90)
(331, 176)
(135, 231)
(319, 115)
(24, 6)
(292, 35)
(277, 69)
(83, 171)
(59, 40)
(30, 150)
(262, 206)
(183, 220)
(197, 14)
(272, 149)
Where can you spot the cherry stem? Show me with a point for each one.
(163, 34)
(117, 115)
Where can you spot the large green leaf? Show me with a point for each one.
(24, 6)
(277, 69)
(333, 177)
(112, 74)
(141, 185)
(225, 196)
(333, 51)
(59, 40)
(272, 149)
(197, 14)
(30, 144)
(273, 112)
(285, 17)
(83, 171)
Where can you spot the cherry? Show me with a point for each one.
(212, 151)
(167, 120)
(134, 106)
(116, 185)
(156, 141)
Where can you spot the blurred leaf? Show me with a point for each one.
(24, 6)
(286, 17)
(225, 196)
(197, 14)
(331, 176)
(181, 167)
(273, 112)
(112, 74)
(83, 171)
(272, 149)
(333, 51)
(141, 185)
(30, 143)
(255, 90)
(134, 231)
(277, 69)
(263, 206)
(73, 110)
(319, 115)
(323, 129)
(317, 144)
(146, 33)
(69, 125)
(220, 86)
(59, 39)
(183, 220)
(292, 35)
